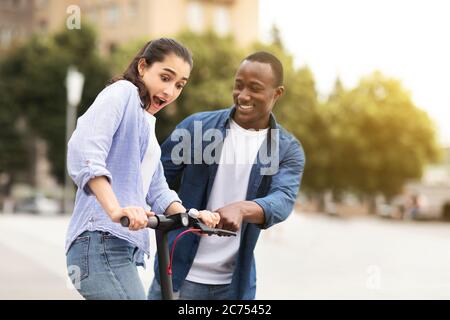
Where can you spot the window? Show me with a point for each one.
(18, 4)
(43, 24)
(222, 20)
(42, 4)
(195, 18)
(92, 14)
(5, 37)
(113, 14)
(133, 9)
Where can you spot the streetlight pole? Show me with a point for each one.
(74, 86)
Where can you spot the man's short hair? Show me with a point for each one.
(275, 64)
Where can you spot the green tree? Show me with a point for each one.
(16, 141)
(36, 75)
(14, 156)
(313, 122)
(276, 37)
(385, 139)
(335, 177)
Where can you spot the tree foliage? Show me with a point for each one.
(384, 138)
(33, 83)
(368, 140)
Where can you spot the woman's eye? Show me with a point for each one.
(180, 86)
(165, 78)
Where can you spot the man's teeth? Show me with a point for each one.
(246, 107)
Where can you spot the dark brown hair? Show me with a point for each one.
(153, 51)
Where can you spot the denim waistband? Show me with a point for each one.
(99, 236)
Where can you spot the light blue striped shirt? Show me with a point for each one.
(110, 140)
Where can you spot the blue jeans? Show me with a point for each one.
(103, 267)
(193, 291)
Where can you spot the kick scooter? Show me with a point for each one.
(162, 225)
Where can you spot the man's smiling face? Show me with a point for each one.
(254, 94)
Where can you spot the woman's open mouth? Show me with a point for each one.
(158, 102)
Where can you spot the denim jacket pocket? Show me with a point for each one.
(78, 259)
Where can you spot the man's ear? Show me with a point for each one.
(279, 91)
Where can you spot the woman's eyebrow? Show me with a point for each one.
(170, 70)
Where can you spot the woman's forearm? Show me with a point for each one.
(138, 217)
(175, 207)
(105, 194)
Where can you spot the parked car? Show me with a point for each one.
(38, 205)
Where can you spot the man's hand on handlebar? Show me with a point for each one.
(230, 217)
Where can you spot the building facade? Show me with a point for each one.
(121, 21)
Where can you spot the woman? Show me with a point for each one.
(114, 159)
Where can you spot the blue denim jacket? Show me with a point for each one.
(275, 192)
(110, 140)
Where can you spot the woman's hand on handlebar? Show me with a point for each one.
(211, 219)
(137, 215)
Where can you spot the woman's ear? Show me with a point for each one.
(142, 64)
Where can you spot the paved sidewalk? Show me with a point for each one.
(33, 260)
(309, 256)
(22, 278)
(314, 256)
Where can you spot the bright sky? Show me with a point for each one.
(405, 39)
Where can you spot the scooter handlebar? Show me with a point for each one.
(153, 222)
(167, 223)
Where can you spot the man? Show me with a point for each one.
(247, 168)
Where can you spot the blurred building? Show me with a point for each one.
(16, 21)
(120, 21)
(434, 189)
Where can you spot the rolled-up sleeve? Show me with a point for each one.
(91, 141)
(159, 195)
(279, 202)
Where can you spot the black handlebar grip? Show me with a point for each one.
(124, 221)
(152, 222)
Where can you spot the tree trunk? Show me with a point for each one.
(320, 200)
(6, 202)
(372, 204)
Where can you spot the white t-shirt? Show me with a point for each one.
(215, 259)
(152, 156)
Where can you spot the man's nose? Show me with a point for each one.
(243, 97)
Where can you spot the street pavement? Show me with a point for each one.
(309, 256)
